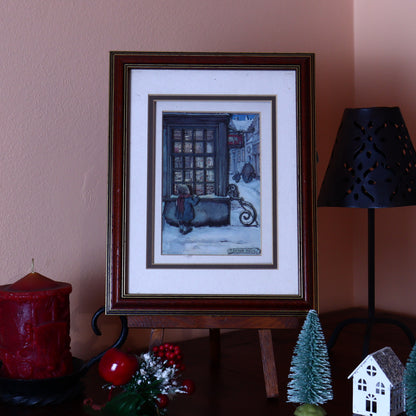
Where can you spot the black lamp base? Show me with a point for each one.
(370, 322)
(371, 317)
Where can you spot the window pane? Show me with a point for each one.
(199, 189)
(210, 189)
(189, 162)
(188, 134)
(199, 175)
(177, 134)
(362, 385)
(209, 161)
(187, 147)
(371, 370)
(210, 147)
(178, 162)
(177, 147)
(199, 162)
(210, 175)
(380, 389)
(178, 176)
(199, 134)
(188, 176)
(199, 147)
(210, 134)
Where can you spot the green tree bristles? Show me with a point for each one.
(409, 379)
(310, 372)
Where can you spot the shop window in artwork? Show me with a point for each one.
(195, 151)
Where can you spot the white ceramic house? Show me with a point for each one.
(378, 385)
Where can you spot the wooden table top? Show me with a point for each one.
(236, 385)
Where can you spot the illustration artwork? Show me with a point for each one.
(211, 201)
(211, 184)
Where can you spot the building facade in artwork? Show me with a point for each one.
(195, 155)
(202, 151)
(244, 143)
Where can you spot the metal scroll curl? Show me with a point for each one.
(248, 217)
(118, 343)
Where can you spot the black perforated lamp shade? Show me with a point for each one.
(373, 162)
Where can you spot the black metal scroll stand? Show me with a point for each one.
(58, 389)
(249, 215)
(371, 319)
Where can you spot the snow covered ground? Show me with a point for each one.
(224, 240)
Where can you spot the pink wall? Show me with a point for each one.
(385, 62)
(54, 122)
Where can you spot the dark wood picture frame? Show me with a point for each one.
(207, 310)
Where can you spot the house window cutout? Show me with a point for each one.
(380, 389)
(371, 403)
(371, 370)
(362, 385)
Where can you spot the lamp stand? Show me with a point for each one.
(371, 318)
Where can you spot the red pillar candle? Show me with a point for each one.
(34, 328)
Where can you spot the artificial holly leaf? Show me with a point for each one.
(125, 404)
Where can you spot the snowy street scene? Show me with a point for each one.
(233, 239)
(211, 185)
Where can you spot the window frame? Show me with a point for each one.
(215, 122)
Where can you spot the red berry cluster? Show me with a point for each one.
(171, 353)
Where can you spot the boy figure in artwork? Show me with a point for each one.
(185, 212)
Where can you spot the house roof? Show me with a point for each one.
(242, 124)
(389, 364)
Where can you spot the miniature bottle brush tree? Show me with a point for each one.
(409, 380)
(310, 373)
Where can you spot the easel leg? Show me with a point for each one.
(215, 347)
(269, 365)
(266, 349)
(156, 337)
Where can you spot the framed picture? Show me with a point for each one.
(211, 184)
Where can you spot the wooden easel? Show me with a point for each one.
(159, 323)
